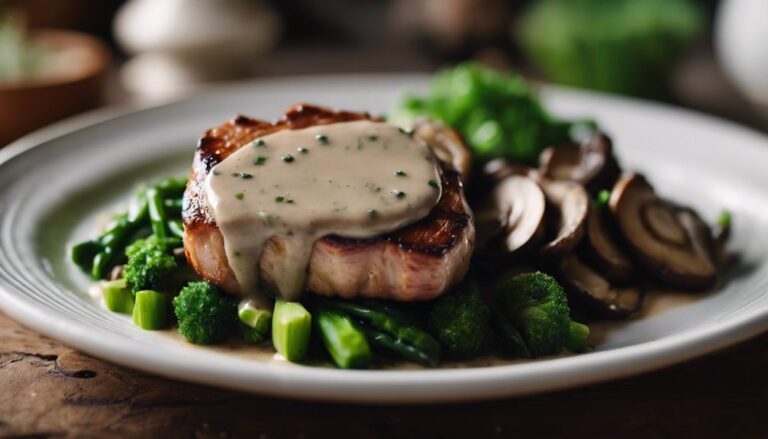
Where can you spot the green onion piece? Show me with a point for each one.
(117, 296)
(150, 311)
(291, 328)
(343, 339)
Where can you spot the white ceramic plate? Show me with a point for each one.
(54, 184)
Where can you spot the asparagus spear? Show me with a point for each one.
(343, 339)
(291, 327)
(379, 319)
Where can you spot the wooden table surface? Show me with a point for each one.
(50, 390)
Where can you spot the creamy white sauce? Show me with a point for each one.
(354, 179)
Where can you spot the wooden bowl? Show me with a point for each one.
(28, 104)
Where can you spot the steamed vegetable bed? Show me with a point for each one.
(140, 261)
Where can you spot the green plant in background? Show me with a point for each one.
(499, 114)
(621, 46)
(20, 58)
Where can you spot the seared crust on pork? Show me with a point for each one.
(417, 262)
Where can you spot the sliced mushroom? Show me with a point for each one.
(600, 248)
(667, 247)
(447, 145)
(569, 204)
(520, 205)
(592, 163)
(699, 233)
(594, 292)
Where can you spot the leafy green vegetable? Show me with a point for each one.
(204, 314)
(498, 114)
(623, 46)
(461, 323)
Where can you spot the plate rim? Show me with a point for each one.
(440, 385)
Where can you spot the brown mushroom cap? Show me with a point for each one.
(570, 206)
(520, 205)
(591, 164)
(594, 292)
(657, 237)
(600, 248)
(447, 145)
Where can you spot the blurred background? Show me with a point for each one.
(58, 58)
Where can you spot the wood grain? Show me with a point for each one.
(50, 390)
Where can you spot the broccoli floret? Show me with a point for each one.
(537, 306)
(205, 315)
(150, 264)
(461, 322)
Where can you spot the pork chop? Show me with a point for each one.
(417, 262)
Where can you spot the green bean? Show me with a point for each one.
(173, 206)
(176, 228)
(138, 210)
(171, 187)
(148, 208)
(379, 319)
(157, 215)
(409, 352)
(84, 253)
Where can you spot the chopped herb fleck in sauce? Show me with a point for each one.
(433, 183)
(243, 175)
(279, 199)
(400, 173)
(322, 138)
(259, 143)
(215, 172)
(239, 195)
(302, 150)
(399, 194)
(372, 213)
(259, 160)
(373, 137)
(288, 158)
